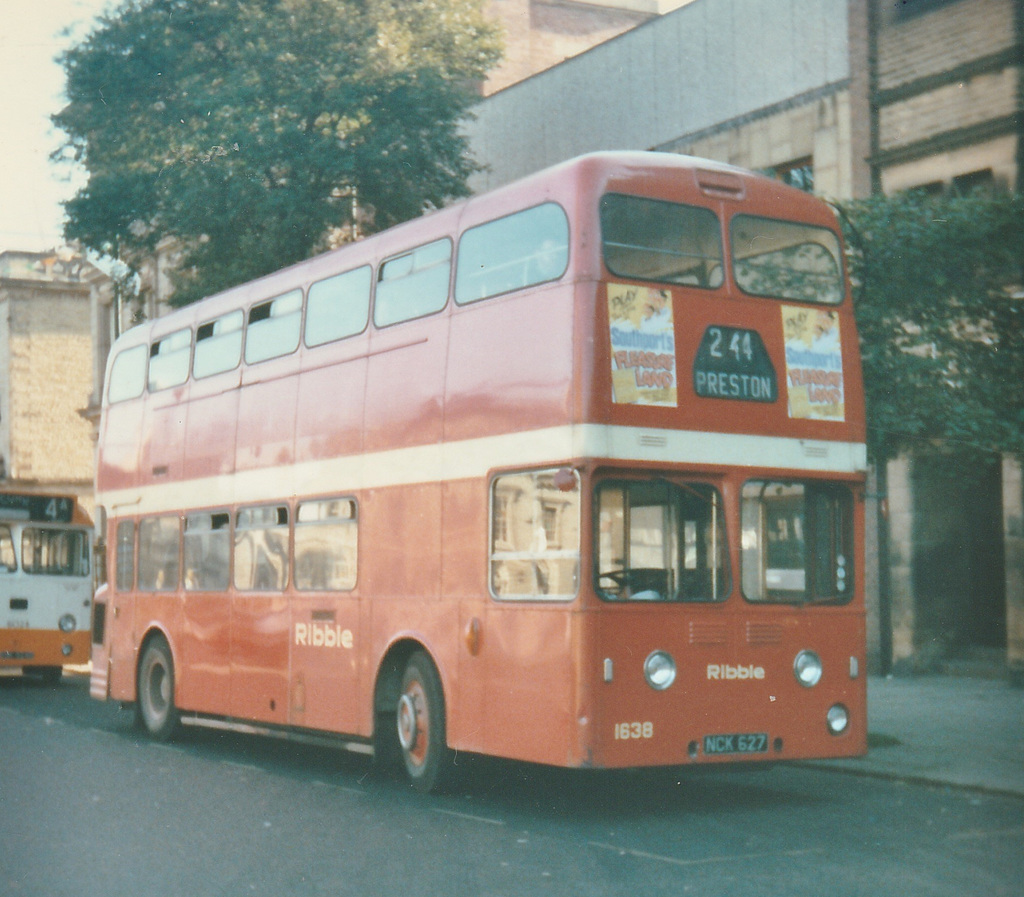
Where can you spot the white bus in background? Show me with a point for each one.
(45, 583)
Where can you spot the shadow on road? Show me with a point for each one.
(482, 783)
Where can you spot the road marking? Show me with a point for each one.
(469, 816)
(976, 834)
(675, 861)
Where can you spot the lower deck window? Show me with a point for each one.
(326, 535)
(207, 551)
(159, 539)
(661, 541)
(797, 542)
(261, 549)
(125, 558)
(535, 535)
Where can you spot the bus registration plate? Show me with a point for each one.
(737, 743)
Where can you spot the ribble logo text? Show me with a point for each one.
(321, 635)
(727, 671)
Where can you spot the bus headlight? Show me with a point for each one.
(659, 670)
(838, 718)
(67, 623)
(807, 668)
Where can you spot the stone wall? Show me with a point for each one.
(48, 352)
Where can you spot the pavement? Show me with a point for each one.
(944, 730)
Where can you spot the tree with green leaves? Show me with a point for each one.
(250, 129)
(939, 290)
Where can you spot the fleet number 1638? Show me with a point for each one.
(626, 731)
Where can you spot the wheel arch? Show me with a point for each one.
(388, 684)
(154, 631)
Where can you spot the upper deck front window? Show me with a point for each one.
(650, 239)
(785, 260)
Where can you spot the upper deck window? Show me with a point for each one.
(338, 306)
(218, 345)
(650, 239)
(128, 374)
(785, 260)
(511, 253)
(413, 284)
(274, 327)
(168, 360)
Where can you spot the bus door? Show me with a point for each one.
(325, 620)
(204, 680)
(662, 574)
(120, 615)
(260, 614)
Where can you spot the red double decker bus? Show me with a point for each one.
(571, 472)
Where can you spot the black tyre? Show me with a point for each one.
(155, 709)
(46, 675)
(420, 719)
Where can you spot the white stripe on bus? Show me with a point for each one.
(474, 458)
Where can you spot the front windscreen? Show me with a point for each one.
(650, 239)
(797, 542)
(661, 541)
(55, 552)
(785, 260)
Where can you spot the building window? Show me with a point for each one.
(799, 174)
(974, 181)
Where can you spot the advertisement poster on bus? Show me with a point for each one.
(814, 363)
(643, 346)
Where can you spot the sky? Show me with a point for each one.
(31, 90)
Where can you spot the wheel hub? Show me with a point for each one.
(407, 724)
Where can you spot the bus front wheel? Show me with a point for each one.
(420, 720)
(156, 710)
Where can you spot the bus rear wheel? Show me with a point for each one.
(156, 710)
(420, 719)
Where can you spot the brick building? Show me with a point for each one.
(846, 98)
(48, 360)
